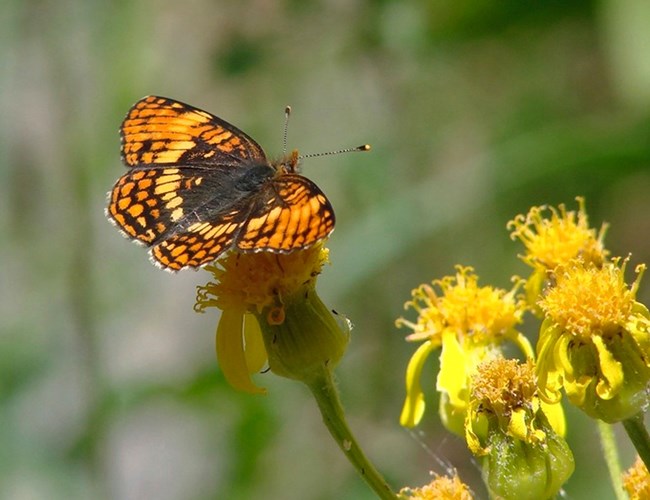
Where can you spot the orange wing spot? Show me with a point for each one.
(305, 216)
(275, 241)
(255, 224)
(196, 247)
(150, 236)
(271, 219)
(146, 157)
(182, 145)
(126, 189)
(182, 259)
(160, 227)
(145, 184)
(142, 221)
(294, 219)
(135, 210)
(135, 147)
(152, 202)
(141, 195)
(198, 256)
(216, 135)
(137, 175)
(123, 203)
(119, 218)
(316, 203)
(179, 250)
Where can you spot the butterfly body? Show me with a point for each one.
(198, 186)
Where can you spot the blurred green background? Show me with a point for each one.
(475, 109)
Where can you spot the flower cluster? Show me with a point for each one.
(593, 346)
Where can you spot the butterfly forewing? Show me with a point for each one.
(158, 130)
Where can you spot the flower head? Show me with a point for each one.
(507, 424)
(594, 341)
(468, 322)
(440, 488)
(270, 310)
(636, 481)
(554, 237)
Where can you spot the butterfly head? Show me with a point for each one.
(289, 163)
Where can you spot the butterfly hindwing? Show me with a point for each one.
(149, 203)
(289, 213)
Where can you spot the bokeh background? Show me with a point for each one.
(476, 110)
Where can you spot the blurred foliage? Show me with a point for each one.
(476, 110)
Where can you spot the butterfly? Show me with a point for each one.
(197, 186)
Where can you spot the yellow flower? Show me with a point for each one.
(636, 481)
(270, 310)
(507, 424)
(555, 240)
(594, 341)
(440, 488)
(468, 322)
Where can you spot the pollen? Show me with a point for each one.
(553, 237)
(440, 488)
(462, 306)
(589, 300)
(504, 385)
(636, 481)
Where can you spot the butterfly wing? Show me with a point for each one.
(290, 213)
(158, 130)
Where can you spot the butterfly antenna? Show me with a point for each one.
(363, 147)
(287, 113)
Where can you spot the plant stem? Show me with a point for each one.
(329, 403)
(638, 434)
(608, 443)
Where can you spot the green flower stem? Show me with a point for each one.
(638, 434)
(323, 388)
(608, 443)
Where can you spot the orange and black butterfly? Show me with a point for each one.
(198, 186)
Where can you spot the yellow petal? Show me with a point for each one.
(254, 349)
(414, 404)
(453, 376)
(555, 416)
(612, 370)
(230, 352)
(517, 425)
